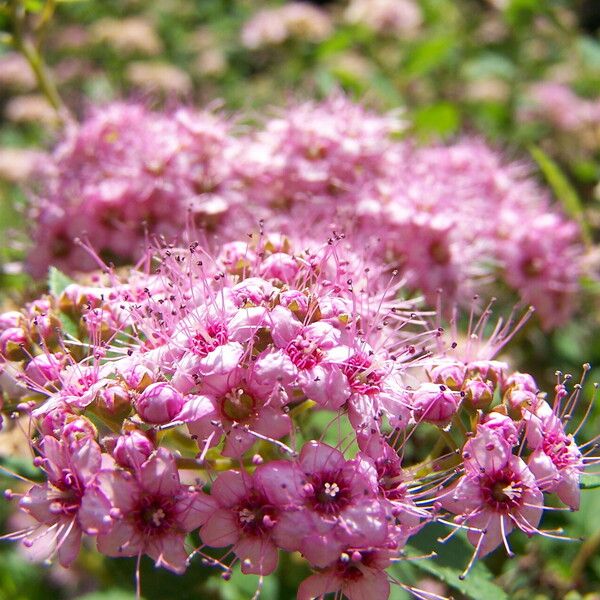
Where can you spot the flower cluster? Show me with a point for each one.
(172, 414)
(294, 21)
(453, 217)
(127, 172)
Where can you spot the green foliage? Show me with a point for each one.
(450, 562)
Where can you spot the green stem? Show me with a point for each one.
(31, 53)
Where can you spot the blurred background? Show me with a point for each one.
(523, 74)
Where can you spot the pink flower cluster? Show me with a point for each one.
(124, 173)
(182, 401)
(557, 104)
(457, 218)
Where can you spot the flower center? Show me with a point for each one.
(560, 449)
(362, 375)
(331, 489)
(238, 405)
(152, 516)
(331, 494)
(209, 339)
(503, 491)
(304, 353)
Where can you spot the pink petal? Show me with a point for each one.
(159, 474)
(222, 359)
(321, 550)
(231, 487)
(221, 529)
(373, 585)
(169, 552)
(94, 512)
(284, 326)
(68, 547)
(318, 585)
(196, 408)
(121, 540)
(568, 489)
(259, 556)
(194, 510)
(316, 456)
(86, 459)
(280, 481)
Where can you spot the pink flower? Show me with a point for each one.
(497, 493)
(556, 461)
(152, 512)
(357, 574)
(241, 406)
(245, 519)
(329, 503)
(70, 502)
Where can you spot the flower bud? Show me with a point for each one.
(522, 381)
(492, 370)
(159, 403)
(12, 341)
(137, 377)
(114, 400)
(450, 373)
(434, 404)
(478, 393)
(9, 319)
(77, 429)
(43, 369)
(132, 449)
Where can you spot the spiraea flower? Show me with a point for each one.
(265, 397)
(119, 176)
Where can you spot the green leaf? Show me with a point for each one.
(590, 482)
(429, 55)
(33, 6)
(451, 560)
(57, 281)
(562, 188)
(109, 595)
(441, 119)
(477, 585)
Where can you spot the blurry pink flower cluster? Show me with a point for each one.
(123, 173)
(561, 107)
(181, 401)
(457, 217)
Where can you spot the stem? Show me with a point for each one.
(588, 550)
(31, 53)
(304, 406)
(218, 464)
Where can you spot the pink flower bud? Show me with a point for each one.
(132, 449)
(137, 377)
(114, 399)
(517, 399)
(159, 403)
(522, 381)
(434, 404)
(9, 319)
(494, 370)
(11, 342)
(77, 429)
(280, 266)
(478, 393)
(451, 374)
(43, 369)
